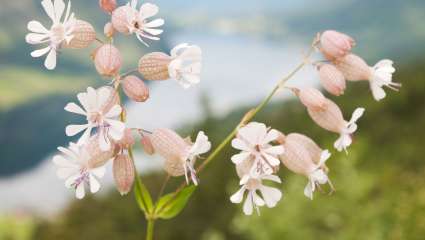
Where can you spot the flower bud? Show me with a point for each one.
(98, 157)
(109, 30)
(154, 66)
(335, 45)
(120, 18)
(172, 148)
(108, 5)
(83, 35)
(135, 89)
(332, 79)
(354, 68)
(124, 173)
(147, 145)
(108, 60)
(312, 98)
(127, 140)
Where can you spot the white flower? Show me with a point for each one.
(98, 116)
(270, 195)
(138, 21)
(74, 168)
(56, 35)
(254, 141)
(317, 176)
(345, 136)
(201, 146)
(382, 74)
(186, 64)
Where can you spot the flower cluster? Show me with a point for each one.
(259, 159)
(104, 136)
(344, 65)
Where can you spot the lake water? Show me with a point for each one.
(236, 71)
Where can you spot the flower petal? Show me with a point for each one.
(177, 50)
(62, 162)
(35, 38)
(102, 96)
(148, 10)
(240, 145)
(59, 9)
(98, 172)
(309, 189)
(49, 8)
(94, 184)
(273, 178)
(240, 157)
(153, 31)
(275, 150)
(72, 130)
(257, 199)
(80, 191)
(271, 159)
(104, 142)
(40, 52)
(155, 23)
(247, 206)
(201, 145)
(114, 111)
(50, 62)
(86, 135)
(36, 27)
(253, 132)
(74, 108)
(271, 195)
(238, 196)
(117, 128)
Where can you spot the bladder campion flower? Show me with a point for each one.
(75, 168)
(254, 141)
(270, 195)
(179, 154)
(94, 103)
(58, 33)
(301, 157)
(330, 118)
(186, 64)
(355, 68)
(128, 20)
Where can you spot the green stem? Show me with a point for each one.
(149, 231)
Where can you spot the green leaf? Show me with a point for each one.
(171, 204)
(143, 196)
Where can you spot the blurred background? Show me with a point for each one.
(247, 45)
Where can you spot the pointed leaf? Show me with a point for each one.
(171, 205)
(143, 196)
